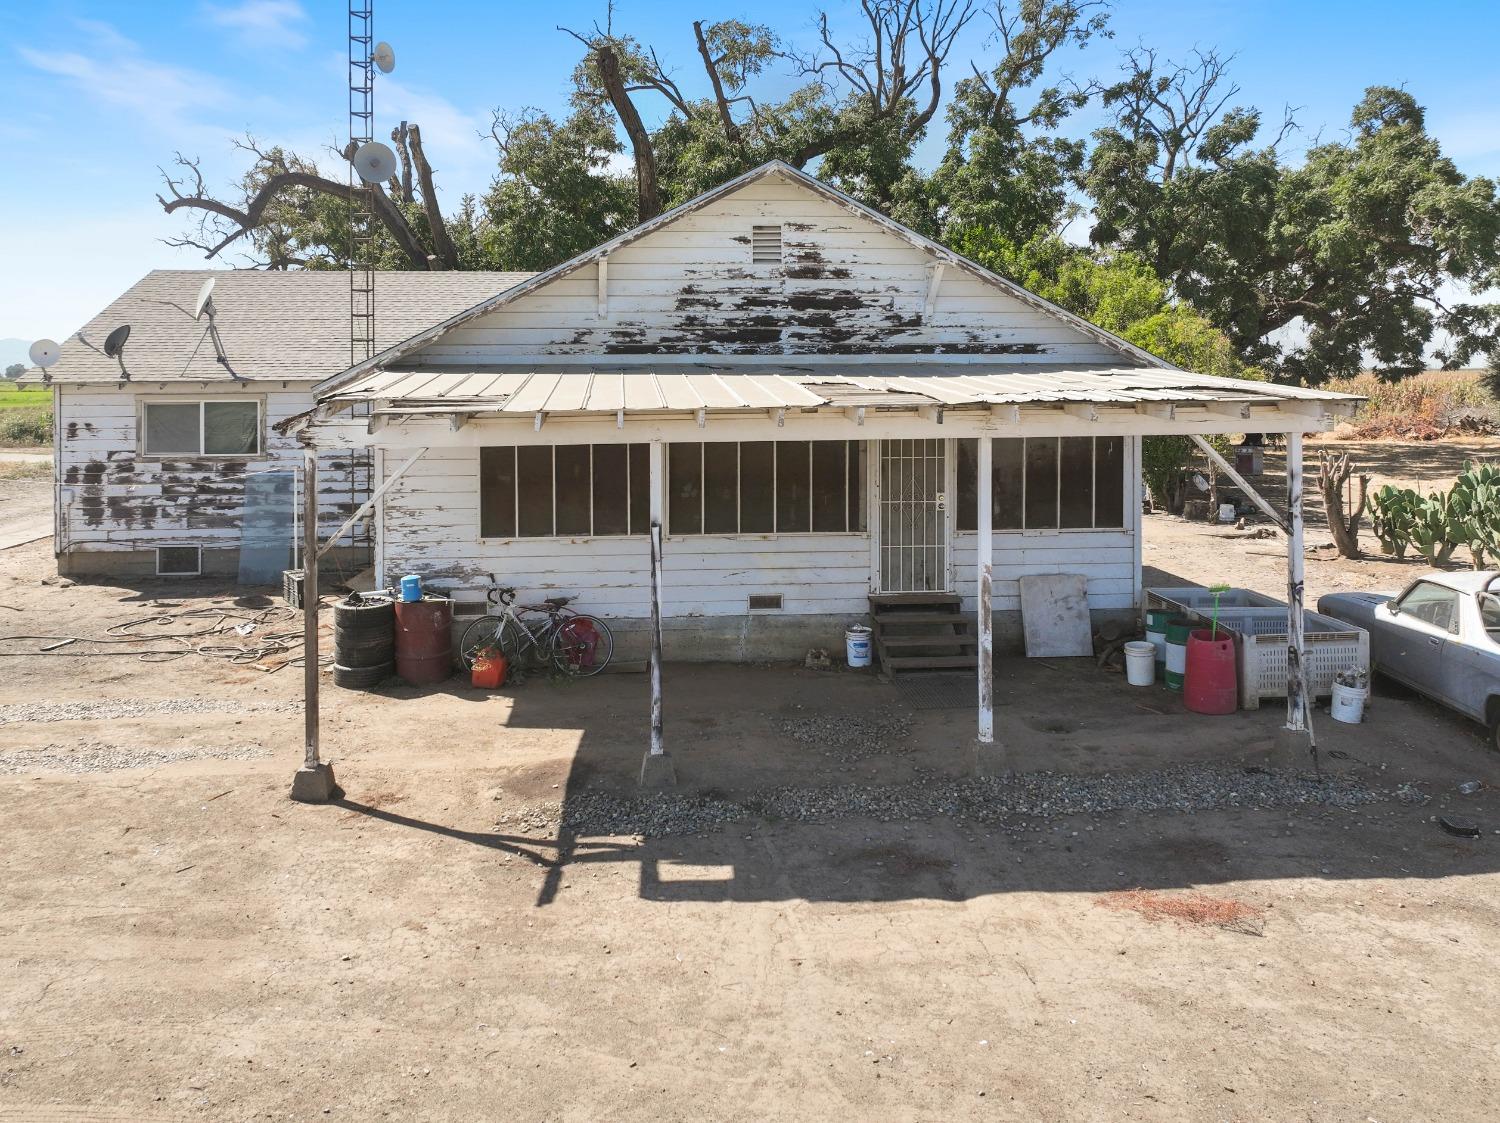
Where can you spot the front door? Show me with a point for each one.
(913, 516)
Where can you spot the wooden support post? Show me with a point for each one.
(656, 769)
(1297, 702)
(985, 611)
(313, 782)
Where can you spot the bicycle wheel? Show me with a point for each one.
(488, 631)
(582, 646)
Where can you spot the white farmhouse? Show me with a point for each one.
(823, 410)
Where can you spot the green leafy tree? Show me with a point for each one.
(1310, 269)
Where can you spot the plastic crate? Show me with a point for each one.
(1262, 635)
(291, 587)
(1195, 597)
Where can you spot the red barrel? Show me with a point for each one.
(423, 640)
(1212, 687)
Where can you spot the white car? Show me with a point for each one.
(1440, 636)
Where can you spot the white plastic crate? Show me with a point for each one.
(1194, 597)
(1261, 636)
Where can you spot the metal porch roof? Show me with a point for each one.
(582, 389)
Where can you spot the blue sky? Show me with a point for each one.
(99, 94)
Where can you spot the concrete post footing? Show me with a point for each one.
(315, 784)
(657, 771)
(989, 758)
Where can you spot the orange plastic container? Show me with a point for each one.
(1212, 686)
(489, 671)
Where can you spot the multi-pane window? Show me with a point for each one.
(766, 487)
(546, 491)
(1047, 483)
(208, 428)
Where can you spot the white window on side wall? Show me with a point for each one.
(215, 427)
(564, 491)
(1047, 483)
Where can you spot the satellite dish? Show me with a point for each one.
(205, 295)
(384, 58)
(45, 353)
(375, 162)
(114, 342)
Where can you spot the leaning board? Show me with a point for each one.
(1055, 615)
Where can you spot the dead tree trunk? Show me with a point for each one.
(1334, 472)
(446, 255)
(648, 194)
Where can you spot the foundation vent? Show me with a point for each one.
(465, 607)
(765, 602)
(179, 561)
(765, 245)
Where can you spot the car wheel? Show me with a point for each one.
(1492, 712)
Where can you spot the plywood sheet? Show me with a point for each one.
(1055, 615)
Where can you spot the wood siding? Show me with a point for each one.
(846, 288)
(430, 526)
(111, 498)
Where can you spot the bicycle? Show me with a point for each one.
(575, 644)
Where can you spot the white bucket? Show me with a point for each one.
(857, 645)
(1227, 513)
(1140, 662)
(1348, 703)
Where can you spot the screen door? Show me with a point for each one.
(913, 516)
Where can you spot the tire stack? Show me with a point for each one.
(364, 641)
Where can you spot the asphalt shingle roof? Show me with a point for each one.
(283, 325)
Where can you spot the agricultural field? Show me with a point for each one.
(25, 416)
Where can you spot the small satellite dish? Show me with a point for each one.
(375, 162)
(114, 342)
(205, 295)
(45, 353)
(384, 58)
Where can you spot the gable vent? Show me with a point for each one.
(765, 245)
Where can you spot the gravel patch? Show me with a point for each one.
(1007, 801)
(99, 757)
(39, 712)
(851, 736)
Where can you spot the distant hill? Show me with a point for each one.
(14, 351)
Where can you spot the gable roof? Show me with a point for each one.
(773, 168)
(281, 325)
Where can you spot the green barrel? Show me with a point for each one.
(1178, 631)
(1156, 632)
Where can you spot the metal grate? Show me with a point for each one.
(913, 519)
(765, 602)
(179, 561)
(765, 245)
(939, 690)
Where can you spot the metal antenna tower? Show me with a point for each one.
(361, 193)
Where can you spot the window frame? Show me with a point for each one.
(1124, 525)
(856, 468)
(485, 539)
(142, 411)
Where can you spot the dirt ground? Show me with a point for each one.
(178, 940)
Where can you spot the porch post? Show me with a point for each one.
(985, 611)
(1296, 679)
(313, 782)
(656, 767)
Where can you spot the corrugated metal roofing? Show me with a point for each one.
(586, 389)
(273, 324)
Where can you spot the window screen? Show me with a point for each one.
(1047, 483)
(575, 491)
(766, 487)
(208, 428)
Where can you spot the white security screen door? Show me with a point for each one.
(913, 516)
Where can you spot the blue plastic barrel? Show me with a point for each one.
(411, 588)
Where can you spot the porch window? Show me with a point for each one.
(766, 487)
(1047, 483)
(205, 428)
(547, 491)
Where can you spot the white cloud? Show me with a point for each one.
(267, 23)
(114, 71)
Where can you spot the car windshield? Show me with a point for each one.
(1432, 604)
